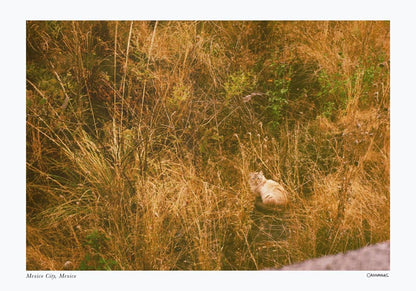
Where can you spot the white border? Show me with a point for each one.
(13, 17)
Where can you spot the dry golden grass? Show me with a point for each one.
(139, 144)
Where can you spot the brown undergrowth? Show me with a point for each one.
(141, 136)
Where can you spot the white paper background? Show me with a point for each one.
(13, 138)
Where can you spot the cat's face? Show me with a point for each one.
(255, 178)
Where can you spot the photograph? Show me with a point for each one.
(207, 145)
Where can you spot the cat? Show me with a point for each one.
(272, 194)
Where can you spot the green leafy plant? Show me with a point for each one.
(279, 93)
(238, 84)
(94, 259)
(333, 94)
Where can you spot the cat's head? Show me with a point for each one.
(255, 178)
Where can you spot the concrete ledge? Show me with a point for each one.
(371, 258)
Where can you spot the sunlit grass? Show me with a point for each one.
(140, 142)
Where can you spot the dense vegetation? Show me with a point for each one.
(141, 135)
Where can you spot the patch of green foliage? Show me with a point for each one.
(94, 259)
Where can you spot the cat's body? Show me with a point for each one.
(272, 193)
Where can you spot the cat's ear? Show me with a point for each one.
(261, 173)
